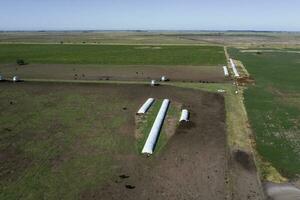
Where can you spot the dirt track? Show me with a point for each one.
(98, 72)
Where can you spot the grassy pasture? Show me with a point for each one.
(162, 37)
(112, 54)
(60, 136)
(273, 106)
(70, 137)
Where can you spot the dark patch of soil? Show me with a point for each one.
(186, 125)
(246, 81)
(244, 179)
(12, 163)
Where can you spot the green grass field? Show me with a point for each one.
(112, 54)
(273, 106)
(70, 137)
(58, 144)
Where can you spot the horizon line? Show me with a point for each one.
(148, 30)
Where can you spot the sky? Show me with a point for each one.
(273, 15)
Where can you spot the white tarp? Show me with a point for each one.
(184, 115)
(163, 78)
(155, 130)
(15, 79)
(236, 74)
(153, 83)
(226, 73)
(146, 106)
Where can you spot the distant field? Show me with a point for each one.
(273, 106)
(112, 54)
(159, 37)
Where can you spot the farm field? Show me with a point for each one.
(77, 108)
(112, 54)
(78, 141)
(114, 72)
(273, 105)
(155, 38)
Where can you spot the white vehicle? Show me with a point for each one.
(15, 79)
(163, 78)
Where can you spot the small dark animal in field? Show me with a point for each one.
(7, 129)
(124, 108)
(20, 62)
(123, 176)
(130, 187)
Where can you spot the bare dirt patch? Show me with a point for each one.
(148, 47)
(98, 72)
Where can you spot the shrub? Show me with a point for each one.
(21, 62)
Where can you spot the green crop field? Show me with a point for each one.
(273, 106)
(112, 54)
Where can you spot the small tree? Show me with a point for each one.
(21, 62)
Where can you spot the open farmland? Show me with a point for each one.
(77, 141)
(111, 62)
(60, 126)
(112, 54)
(236, 38)
(273, 105)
